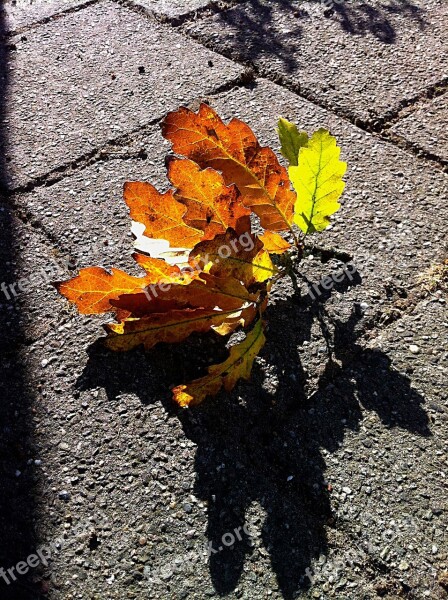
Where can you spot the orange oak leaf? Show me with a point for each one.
(234, 150)
(237, 366)
(274, 243)
(170, 327)
(204, 269)
(207, 292)
(93, 289)
(161, 214)
(212, 206)
(144, 303)
(161, 271)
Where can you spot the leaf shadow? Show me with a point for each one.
(259, 445)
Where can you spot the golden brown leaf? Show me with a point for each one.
(170, 327)
(94, 288)
(274, 243)
(212, 206)
(161, 214)
(207, 292)
(237, 366)
(234, 150)
(229, 255)
(160, 270)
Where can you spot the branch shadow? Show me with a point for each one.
(365, 18)
(255, 28)
(263, 445)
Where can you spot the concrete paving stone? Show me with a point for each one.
(21, 13)
(363, 59)
(390, 245)
(29, 305)
(86, 214)
(73, 85)
(403, 436)
(417, 346)
(170, 9)
(426, 128)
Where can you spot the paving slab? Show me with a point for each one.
(29, 305)
(388, 478)
(170, 9)
(85, 213)
(335, 467)
(22, 13)
(362, 59)
(30, 310)
(343, 492)
(426, 128)
(72, 85)
(389, 244)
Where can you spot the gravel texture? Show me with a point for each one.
(170, 9)
(323, 477)
(18, 14)
(28, 303)
(360, 59)
(426, 128)
(102, 86)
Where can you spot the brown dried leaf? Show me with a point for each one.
(234, 150)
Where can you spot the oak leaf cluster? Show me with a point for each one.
(208, 262)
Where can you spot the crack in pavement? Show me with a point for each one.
(212, 8)
(57, 15)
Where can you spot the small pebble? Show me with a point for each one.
(64, 495)
(414, 349)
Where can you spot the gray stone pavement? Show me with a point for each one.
(166, 9)
(426, 128)
(109, 73)
(20, 14)
(338, 467)
(365, 61)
